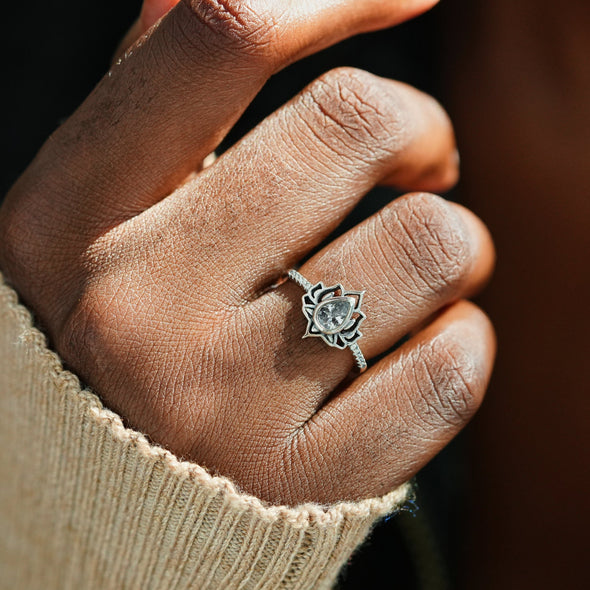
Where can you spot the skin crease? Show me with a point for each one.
(520, 85)
(219, 373)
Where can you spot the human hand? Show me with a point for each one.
(158, 290)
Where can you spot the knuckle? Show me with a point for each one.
(354, 116)
(431, 241)
(239, 24)
(83, 335)
(447, 377)
(29, 254)
(102, 323)
(122, 319)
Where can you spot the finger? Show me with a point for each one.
(394, 418)
(412, 258)
(168, 104)
(282, 189)
(485, 256)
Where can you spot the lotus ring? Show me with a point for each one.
(333, 314)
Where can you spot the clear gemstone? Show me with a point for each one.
(331, 315)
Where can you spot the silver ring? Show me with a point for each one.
(333, 314)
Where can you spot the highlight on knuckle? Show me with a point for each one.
(354, 116)
(79, 333)
(239, 24)
(445, 376)
(431, 241)
(97, 325)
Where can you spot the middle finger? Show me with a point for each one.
(277, 194)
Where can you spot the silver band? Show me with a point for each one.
(333, 314)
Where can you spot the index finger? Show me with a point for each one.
(170, 102)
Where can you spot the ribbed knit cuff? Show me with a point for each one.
(87, 503)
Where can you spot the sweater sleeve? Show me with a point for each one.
(87, 503)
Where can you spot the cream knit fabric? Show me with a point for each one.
(87, 504)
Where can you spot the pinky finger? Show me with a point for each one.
(393, 419)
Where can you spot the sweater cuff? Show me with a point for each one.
(88, 503)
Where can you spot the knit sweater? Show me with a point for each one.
(86, 503)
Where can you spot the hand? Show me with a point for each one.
(160, 291)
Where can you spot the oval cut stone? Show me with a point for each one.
(333, 314)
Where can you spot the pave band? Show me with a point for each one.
(333, 314)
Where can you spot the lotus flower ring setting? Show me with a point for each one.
(333, 314)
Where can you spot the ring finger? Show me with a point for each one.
(267, 202)
(413, 257)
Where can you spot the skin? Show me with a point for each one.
(158, 280)
(520, 85)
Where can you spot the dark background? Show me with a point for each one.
(54, 53)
